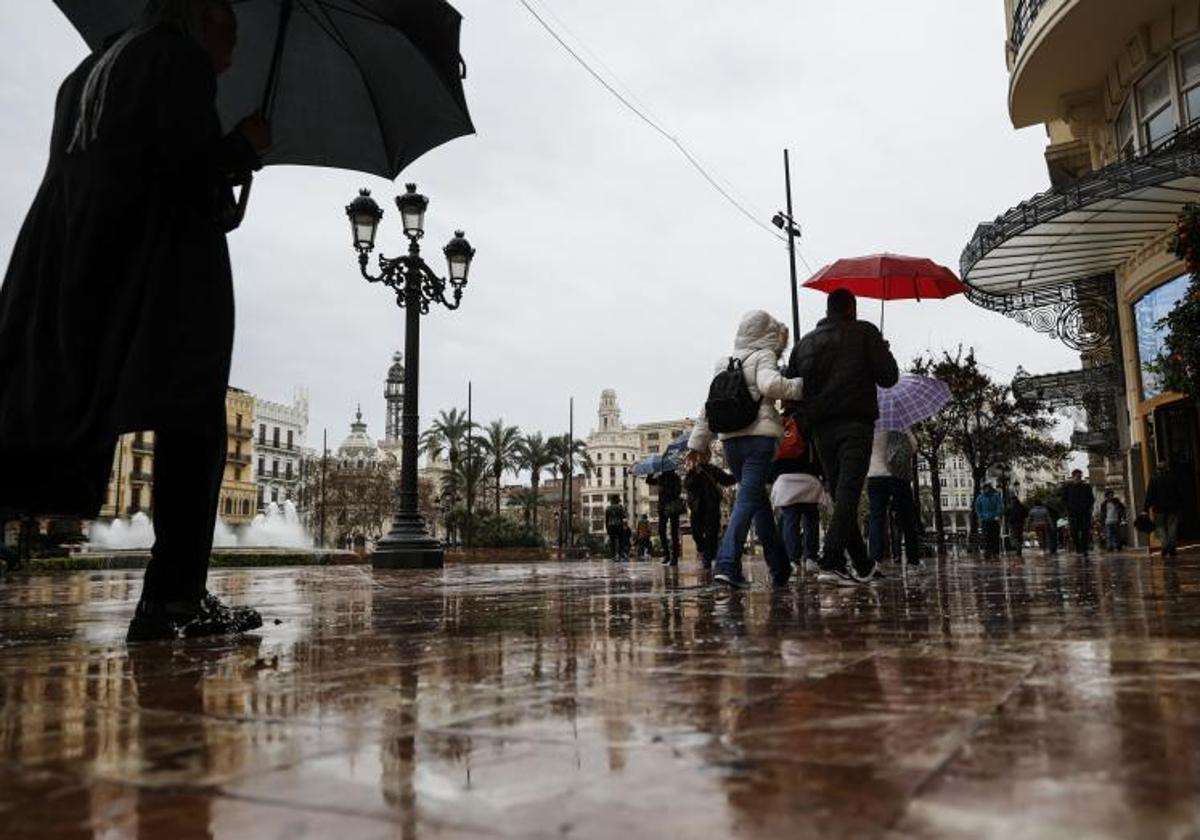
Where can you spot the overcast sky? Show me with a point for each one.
(603, 259)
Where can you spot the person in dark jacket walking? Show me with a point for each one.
(989, 507)
(1016, 515)
(116, 313)
(1079, 501)
(670, 508)
(842, 361)
(1112, 515)
(614, 525)
(705, 485)
(1164, 503)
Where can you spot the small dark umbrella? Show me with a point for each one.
(367, 85)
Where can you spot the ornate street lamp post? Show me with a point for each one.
(409, 545)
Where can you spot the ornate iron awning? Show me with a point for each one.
(1097, 389)
(1084, 229)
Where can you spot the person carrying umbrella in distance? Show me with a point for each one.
(670, 508)
(116, 313)
(889, 479)
(741, 410)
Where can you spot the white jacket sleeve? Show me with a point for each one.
(772, 384)
(700, 439)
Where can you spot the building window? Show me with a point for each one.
(238, 423)
(1126, 134)
(262, 434)
(262, 465)
(275, 468)
(275, 494)
(275, 438)
(1189, 80)
(1148, 312)
(289, 439)
(288, 471)
(1155, 106)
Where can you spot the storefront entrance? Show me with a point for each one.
(1174, 436)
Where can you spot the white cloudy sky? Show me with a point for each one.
(603, 259)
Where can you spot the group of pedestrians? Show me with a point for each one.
(828, 388)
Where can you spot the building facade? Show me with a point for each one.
(131, 482)
(238, 501)
(614, 450)
(280, 433)
(1116, 84)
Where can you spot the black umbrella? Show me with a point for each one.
(368, 85)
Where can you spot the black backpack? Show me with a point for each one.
(730, 408)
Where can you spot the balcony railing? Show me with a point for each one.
(244, 433)
(238, 458)
(1024, 16)
(139, 476)
(142, 447)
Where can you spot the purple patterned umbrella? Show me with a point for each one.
(913, 399)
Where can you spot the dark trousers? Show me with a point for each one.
(991, 537)
(845, 452)
(1016, 535)
(1081, 531)
(801, 532)
(189, 460)
(615, 538)
(668, 525)
(884, 493)
(706, 532)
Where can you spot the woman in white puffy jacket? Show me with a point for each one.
(749, 451)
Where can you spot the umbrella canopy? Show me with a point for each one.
(655, 464)
(888, 277)
(367, 85)
(913, 399)
(679, 444)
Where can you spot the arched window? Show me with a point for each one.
(228, 506)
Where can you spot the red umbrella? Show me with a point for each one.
(888, 277)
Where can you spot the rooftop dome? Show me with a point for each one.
(358, 445)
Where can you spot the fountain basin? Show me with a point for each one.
(221, 558)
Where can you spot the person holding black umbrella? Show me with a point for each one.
(116, 313)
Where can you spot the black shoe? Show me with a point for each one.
(838, 577)
(154, 620)
(732, 581)
(666, 561)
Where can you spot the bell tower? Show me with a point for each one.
(393, 394)
(610, 412)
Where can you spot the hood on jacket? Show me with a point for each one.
(759, 331)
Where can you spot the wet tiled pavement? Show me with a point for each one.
(1035, 698)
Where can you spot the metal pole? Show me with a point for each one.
(470, 462)
(571, 476)
(324, 473)
(409, 544)
(787, 178)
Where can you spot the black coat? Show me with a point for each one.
(1078, 498)
(842, 360)
(705, 485)
(116, 312)
(670, 488)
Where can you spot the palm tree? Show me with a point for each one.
(568, 455)
(502, 445)
(534, 454)
(527, 501)
(447, 434)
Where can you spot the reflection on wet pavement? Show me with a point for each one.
(1035, 698)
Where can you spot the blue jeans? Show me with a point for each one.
(749, 458)
(801, 537)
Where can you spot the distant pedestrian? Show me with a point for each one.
(1044, 521)
(796, 492)
(614, 524)
(741, 409)
(989, 507)
(1164, 503)
(1015, 516)
(670, 508)
(1079, 502)
(842, 362)
(641, 538)
(889, 490)
(705, 485)
(1112, 514)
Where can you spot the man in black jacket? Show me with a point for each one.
(1079, 500)
(842, 361)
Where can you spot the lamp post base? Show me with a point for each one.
(408, 546)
